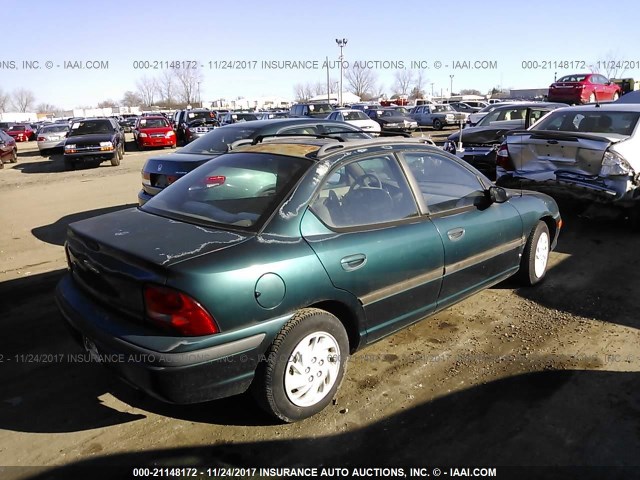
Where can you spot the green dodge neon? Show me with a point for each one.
(266, 267)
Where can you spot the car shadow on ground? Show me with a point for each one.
(55, 164)
(27, 153)
(551, 418)
(599, 277)
(55, 233)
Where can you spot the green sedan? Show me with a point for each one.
(266, 267)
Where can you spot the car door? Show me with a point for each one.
(482, 240)
(366, 229)
(5, 146)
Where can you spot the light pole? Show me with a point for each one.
(341, 43)
(199, 99)
(451, 86)
(432, 90)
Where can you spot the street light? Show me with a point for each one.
(199, 99)
(451, 86)
(432, 90)
(341, 43)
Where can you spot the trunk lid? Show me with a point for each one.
(112, 256)
(548, 153)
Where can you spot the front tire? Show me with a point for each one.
(117, 156)
(304, 367)
(535, 257)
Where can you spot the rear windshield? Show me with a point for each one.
(218, 140)
(238, 190)
(620, 123)
(503, 114)
(17, 128)
(572, 78)
(358, 115)
(54, 129)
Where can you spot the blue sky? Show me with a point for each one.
(228, 31)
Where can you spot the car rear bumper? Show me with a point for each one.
(143, 197)
(594, 190)
(185, 377)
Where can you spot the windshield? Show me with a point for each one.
(153, 123)
(357, 115)
(90, 127)
(503, 114)
(218, 140)
(320, 108)
(238, 190)
(620, 123)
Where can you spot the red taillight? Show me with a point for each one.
(503, 159)
(215, 181)
(178, 312)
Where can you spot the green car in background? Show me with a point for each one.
(266, 267)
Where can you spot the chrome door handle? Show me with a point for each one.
(455, 234)
(353, 262)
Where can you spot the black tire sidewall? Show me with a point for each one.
(529, 257)
(278, 402)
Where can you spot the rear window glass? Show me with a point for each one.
(620, 123)
(572, 78)
(153, 123)
(218, 140)
(54, 129)
(238, 190)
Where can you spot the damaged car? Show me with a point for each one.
(478, 145)
(587, 153)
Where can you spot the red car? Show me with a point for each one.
(154, 132)
(22, 132)
(8, 149)
(583, 88)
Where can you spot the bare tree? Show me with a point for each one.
(22, 99)
(147, 89)
(188, 84)
(420, 80)
(403, 81)
(131, 99)
(167, 86)
(4, 101)
(361, 80)
(46, 108)
(470, 91)
(303, 92)
(108, 103)
(610, 65)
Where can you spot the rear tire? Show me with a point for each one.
(14, 157)
(437, 124)
(535, 257)
(304, 367)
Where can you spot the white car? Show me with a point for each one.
(357, 118)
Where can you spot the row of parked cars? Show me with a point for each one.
(281, 246)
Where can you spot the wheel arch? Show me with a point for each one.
(350, 319)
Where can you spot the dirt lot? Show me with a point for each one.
(541, 376)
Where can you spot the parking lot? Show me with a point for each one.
(540, 376)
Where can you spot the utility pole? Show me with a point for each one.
(342, 42)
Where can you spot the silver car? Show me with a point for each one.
(589, 152)
(51, 137)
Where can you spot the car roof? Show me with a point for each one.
(320, 148)
(282, 122)
(530, 104)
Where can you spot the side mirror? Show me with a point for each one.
(498, 194)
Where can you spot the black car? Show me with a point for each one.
(391, 119)
(94, 139)
(161, 171)
(480, 143)
(192, 124)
